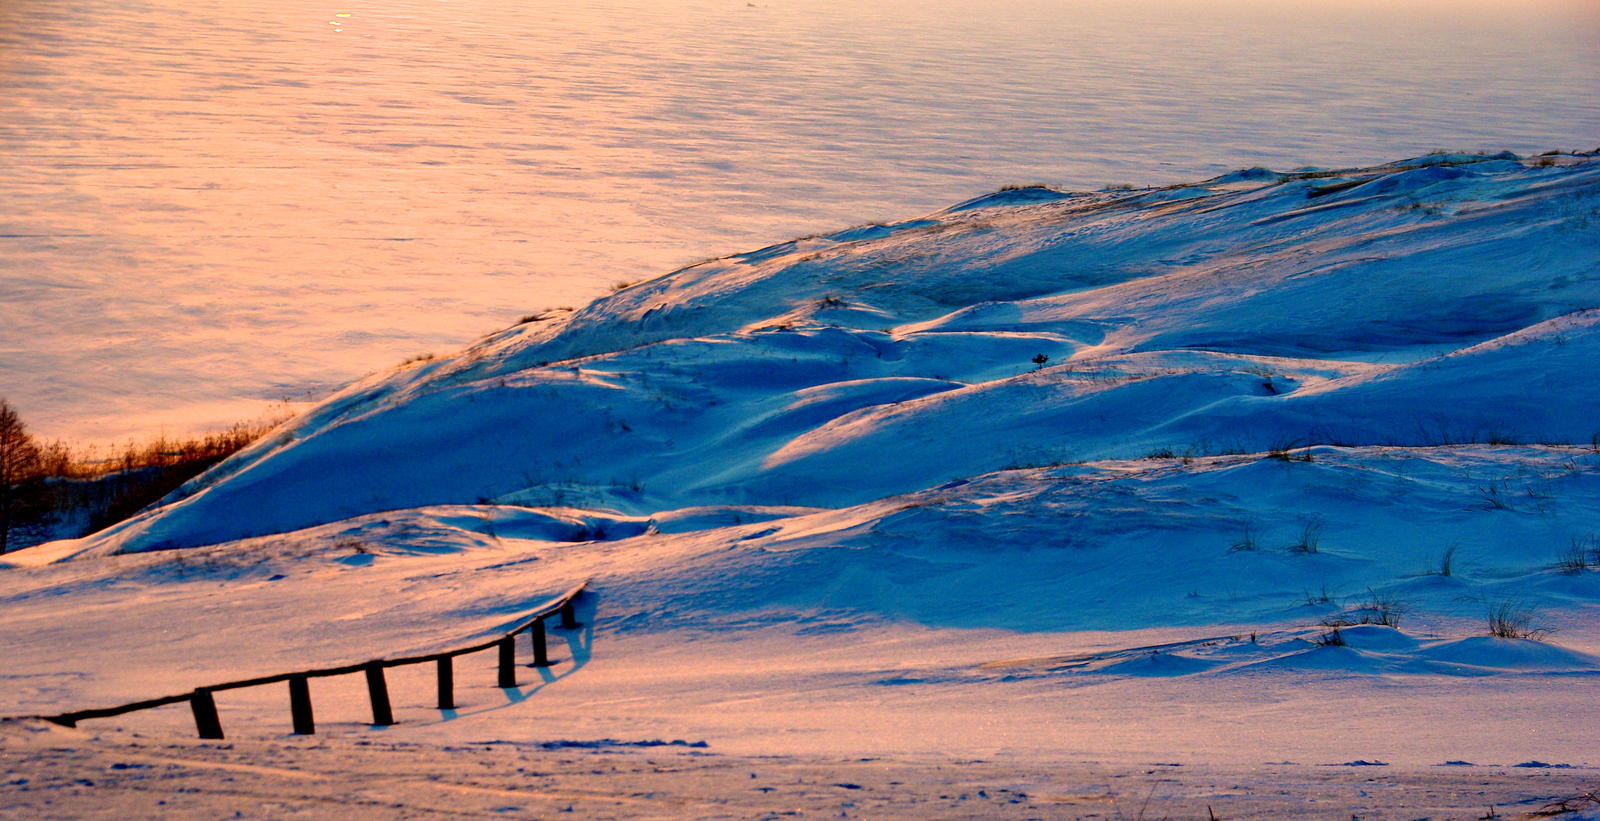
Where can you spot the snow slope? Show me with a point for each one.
(1292, 438)
(1441, 300)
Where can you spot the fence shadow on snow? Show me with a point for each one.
(563, 608)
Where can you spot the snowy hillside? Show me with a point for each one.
(1206, 444)
(1437, 301)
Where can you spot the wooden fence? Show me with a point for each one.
(205, 707)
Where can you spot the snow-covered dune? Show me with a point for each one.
(1440, 300)
(1115, 475)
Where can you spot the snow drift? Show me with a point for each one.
(1152, 446)
(1442, 300)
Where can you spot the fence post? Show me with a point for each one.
(447, 683)
(541, 653)
(378, 690)
(300, 705)
(205, 713)
(569, 616)
(508, 662)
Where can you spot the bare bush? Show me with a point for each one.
(1588, 799)
(20, 460)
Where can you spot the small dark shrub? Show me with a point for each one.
(1582, 553)
(1284, 452)
(1320, 597)
(1310, 540)
(1511, 619)
(1493, 498)
(1377, 608)
(1576, 803)
(1447, 562)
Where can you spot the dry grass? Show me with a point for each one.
(1310, 540)
(109, 484)
(1581, 553)
(1378, 608)
(63, 460)
(1511, 619)
(1587, 800)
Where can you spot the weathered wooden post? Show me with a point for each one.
(569, 616)
(300, 705)
(541, 653)
(205, 713)
(508, 662)
(378, 690)
(447, 683)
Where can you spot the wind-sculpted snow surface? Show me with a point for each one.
(1441, 300)
(1240, 471)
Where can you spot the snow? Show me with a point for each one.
(1201, 325)
(832, 506)
(60, 773)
